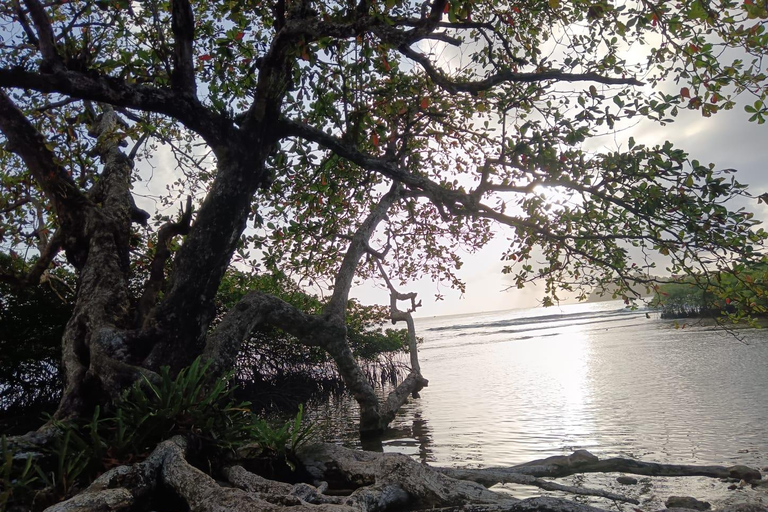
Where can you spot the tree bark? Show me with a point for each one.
(183, 316)
(95, 231)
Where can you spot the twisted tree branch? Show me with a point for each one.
(38, 269)
(165, 235)
(475, 87)
(357, 248)
(216, 129)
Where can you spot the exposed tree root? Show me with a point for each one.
(346, 480)
(541, 504)
(390, 479)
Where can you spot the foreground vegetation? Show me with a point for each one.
(191, 405)
(165, 437)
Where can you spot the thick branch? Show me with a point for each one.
(41, 265)
(410, 386)
(475, 87)
(183, 26)
(29, 144)
(223, 344)
(22, 17)
(337, 306)
(279, 12)
(214, 128)
(156, 279)
(46, 41)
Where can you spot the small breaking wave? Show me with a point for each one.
(545, 321)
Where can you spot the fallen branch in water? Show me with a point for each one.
(582, 461)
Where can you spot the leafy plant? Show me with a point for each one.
(32, 322)
(189, 404)
(282, 442)
(15, 482)
(290, 436)
(72, 456)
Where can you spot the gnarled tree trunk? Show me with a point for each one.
(114, 338)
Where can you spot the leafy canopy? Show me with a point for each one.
(479, 111)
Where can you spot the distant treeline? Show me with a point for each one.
(739, 292)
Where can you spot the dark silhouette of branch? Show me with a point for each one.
(477, 86)
(156, 279)
(29, 144)
(38, 269)
(456, 202)
(183, 27)
(213, 127)
(46, 41)
(24, 22)
(9, 207)
(56, 104)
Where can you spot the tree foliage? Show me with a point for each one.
(368, 140)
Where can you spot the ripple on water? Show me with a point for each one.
(505, 389)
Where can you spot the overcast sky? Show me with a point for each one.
(727, 139)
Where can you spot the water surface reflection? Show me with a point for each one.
(506, 388)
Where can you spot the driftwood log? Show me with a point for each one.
(345, 480)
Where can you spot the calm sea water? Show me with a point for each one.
(508, 387)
